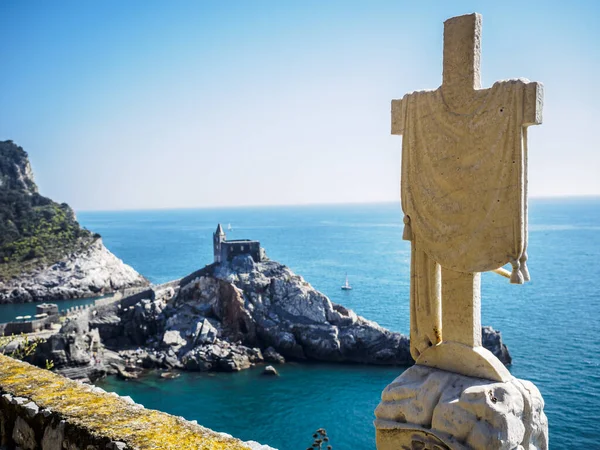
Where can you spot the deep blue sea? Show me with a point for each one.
(550, 325)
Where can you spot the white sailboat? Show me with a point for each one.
(229, 227)
(346, 286)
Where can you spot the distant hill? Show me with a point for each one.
(36, 232)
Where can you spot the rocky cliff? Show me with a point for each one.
(224, 316)
(44, 253)
(228, 317)
(91, 271)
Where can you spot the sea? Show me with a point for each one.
(550, 325)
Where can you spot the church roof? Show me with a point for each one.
(219, 230)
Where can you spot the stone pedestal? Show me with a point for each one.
(429, 408)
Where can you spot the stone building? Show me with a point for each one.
(46, 315)
(47, 308)
(225, 250)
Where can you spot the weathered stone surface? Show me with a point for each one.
(173, 338)
(23, 435)
(271, 355)
(221, 356)
(86, 418)
(461, 412)
(92, 272)
(465, 211)
(169, 375)
(492, 340)
(464, 196)
(205, 333)
(270, 371)
(281, 310)
(3, 434)
(116, 446)
(123, 374)
(31, 409)
(53, 436)
(18, 400)
(75, 351)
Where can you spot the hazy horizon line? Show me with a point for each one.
(284, 205)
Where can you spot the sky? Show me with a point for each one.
(180, 104)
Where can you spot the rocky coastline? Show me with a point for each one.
(91, 272)
(228, 316)
(225, 317)
(45, 255)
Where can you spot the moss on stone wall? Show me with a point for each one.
(107, 416)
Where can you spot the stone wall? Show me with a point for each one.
(42, 410)
(107, 300)
(126, 302)
(231, 249)
(28, 326)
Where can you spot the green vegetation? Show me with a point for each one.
(34, 230)
(25, 348)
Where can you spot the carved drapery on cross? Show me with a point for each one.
(463, 180)
(464, 195)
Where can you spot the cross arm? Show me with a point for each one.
(397, 117)
(533, 104)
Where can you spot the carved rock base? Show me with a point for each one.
(428, 408)
(469, 361)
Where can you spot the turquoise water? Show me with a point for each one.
(8, 313)
(550, 325)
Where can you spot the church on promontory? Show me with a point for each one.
(225, 250)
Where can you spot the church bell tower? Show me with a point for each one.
(218, 237)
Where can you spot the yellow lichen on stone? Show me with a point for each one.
(106, 415)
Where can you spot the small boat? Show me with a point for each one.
(346, 286)
(229, 227)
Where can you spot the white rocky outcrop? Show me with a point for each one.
(44, 252)
(90, 272)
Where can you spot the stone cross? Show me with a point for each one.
(446, 313)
